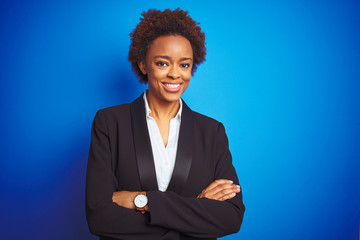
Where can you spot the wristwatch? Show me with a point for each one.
(141, 201)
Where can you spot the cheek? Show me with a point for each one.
(187, 76)
(157, 74)
(186, 81)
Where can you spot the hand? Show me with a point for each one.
(221, 190)
(125, 199)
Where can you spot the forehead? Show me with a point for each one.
(172, 46)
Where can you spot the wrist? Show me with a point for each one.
(141, 202)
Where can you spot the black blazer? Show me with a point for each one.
(121, 158)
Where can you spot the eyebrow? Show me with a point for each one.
(167, 57)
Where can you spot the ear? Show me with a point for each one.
(142, 67)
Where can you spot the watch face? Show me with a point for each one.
(140, 201)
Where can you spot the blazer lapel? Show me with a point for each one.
(142, 144)
(184, 152)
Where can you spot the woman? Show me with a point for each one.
(156, 169)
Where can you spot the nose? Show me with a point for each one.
(174, 72)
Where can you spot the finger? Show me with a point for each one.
(213, 185)
(220, 193)
(220, 188)
(213, 193)
(231, 195)
(217, 183)
(227, 197)
(225, 192)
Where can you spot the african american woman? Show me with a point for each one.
(157, 169)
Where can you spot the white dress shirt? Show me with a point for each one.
(164, 157)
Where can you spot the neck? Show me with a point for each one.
(162, 109)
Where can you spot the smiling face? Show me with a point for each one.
(168, 66)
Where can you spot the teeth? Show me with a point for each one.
(172, 85)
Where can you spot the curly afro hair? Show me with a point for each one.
(156, 23)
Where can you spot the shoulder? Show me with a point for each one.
(115, 109)
(210, 130)
(201, 121)
(114, 113)
(203, 118)
(205, 122)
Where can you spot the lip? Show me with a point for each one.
(172, 89)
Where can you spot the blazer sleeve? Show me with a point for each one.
(203, 218)
(105, 218)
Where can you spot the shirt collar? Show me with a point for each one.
(148, 110)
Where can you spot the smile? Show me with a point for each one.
(172, 87)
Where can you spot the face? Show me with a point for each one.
(168, 66)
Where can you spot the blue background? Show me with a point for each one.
(283, 77)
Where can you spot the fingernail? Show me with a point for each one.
(233, 194)
(230, 181)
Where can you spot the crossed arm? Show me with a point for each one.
(221, 190)
(216, 211)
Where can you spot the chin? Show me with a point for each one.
(172, 97)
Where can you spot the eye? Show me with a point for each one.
(185, 65)
(161, 64)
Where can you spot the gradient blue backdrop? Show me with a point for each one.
(283, 77)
